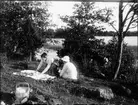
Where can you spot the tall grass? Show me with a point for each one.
(135, 50)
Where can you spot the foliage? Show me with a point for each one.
(82, 24)
(67, 91)
(60, 33)
(126, 22)
(85, 54)
(135, 51)
(128, 59)
(22, 25)
(80, 42)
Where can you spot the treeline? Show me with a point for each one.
(111, 33)
(23, 27)
(61, 33)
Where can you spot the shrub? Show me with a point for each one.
(90, 54)
(128, 59)
(83, 52)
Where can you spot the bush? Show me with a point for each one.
(83, 52)
(90, 54)
(127, 71)
(128, 59)
(24, 48)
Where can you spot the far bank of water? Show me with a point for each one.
(130, 40)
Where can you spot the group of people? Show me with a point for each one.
(61, 67)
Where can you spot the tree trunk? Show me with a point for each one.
(1, 65)
(84, 61)
(120, 41)
(119, 57)
(31, 56)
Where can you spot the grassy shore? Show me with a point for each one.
(63, 90)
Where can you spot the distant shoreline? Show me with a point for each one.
(130, 40)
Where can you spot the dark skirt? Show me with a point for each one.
(53, 70)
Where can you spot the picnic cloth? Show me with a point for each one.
(34, 74)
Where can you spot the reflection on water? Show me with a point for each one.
(130, 40)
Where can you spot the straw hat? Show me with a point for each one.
(66, 58)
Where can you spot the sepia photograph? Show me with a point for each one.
(69, 52)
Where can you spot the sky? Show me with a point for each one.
(61, 8)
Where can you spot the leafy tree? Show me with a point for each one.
(60, 33)
(126, 22)
(22, 25)
(80, 42)
(128, 59)
(82, 23)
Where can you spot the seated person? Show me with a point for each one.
(51, 65)
(69, 71)
(53, 70)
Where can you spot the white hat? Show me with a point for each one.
(66, 58)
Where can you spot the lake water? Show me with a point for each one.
(130, 40)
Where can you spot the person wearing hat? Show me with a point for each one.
(69, 71)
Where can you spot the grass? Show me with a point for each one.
(67, 92)
(50, 89)
(135, 51)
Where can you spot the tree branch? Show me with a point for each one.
(130, 10)
(134, 20)
(132, 27)
(125, 6)
(131, 21)
(114, 28)
(129, 18)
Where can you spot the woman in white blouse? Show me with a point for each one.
(69, 70)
